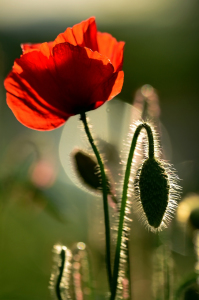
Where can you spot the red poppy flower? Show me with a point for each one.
(77, 72)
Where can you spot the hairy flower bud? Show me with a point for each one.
(155, 186)
(87, 170)
(154, 191)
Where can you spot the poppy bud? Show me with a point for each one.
(156, 188)
(154, 191)
(87, 170)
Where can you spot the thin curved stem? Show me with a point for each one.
(61, 269)
(124, 198)
(105, 200)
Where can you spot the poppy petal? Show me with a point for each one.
(108, 89)
(110, 47)
(33, 93)
(29, 113)
(44, 91)
(76, 73)
(83, 34)
(80, 72)
(29, 47)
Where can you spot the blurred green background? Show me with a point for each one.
(39, 205)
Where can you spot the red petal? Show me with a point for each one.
(110, 47)
(33, 93)
(117, 84)
(83, 34)
(44, 92)
(108, 89)
(80, 72)
(29, 47)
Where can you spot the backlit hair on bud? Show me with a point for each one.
(155, 187)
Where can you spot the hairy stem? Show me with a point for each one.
(61, 269)
(124, 199)
(105, 200)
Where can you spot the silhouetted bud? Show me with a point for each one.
(154, 191)
(87, 170)
(155, 186)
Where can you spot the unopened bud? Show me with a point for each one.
(154, 191)
(87, 170)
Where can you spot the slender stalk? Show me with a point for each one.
(105, 200)
(61, 269)
(124, 199)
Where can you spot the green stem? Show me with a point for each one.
(124, 199)
(61, 269)
(105, 200)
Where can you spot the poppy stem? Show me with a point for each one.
(105, 200)
(124, 199)
(61, 269)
